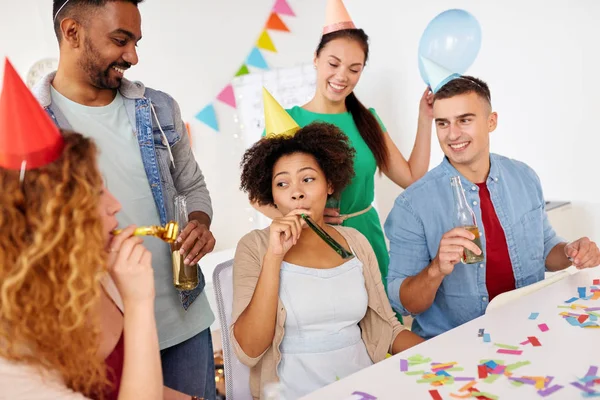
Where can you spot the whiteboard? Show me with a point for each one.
(293, 86)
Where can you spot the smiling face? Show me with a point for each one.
(463, 124)
(339, 66)
(108, 38)
(300, 183)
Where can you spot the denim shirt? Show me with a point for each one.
(423, 214)
(166, 177)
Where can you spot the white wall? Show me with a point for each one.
(539, 57)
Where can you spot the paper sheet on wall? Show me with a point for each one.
(292, 86)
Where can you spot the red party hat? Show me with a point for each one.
(28, 137)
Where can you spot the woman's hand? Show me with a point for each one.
(426, 105)
(130, 265)
(285, 232)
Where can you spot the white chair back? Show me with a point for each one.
(237, 375)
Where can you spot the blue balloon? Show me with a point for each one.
(452, 40)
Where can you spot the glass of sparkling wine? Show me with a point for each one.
(465, 218)
(185, 277)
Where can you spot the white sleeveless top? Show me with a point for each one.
(322, 341)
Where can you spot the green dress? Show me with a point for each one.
(361, 192)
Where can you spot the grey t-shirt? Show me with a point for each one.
(120, 163)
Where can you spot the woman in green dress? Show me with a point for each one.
(339, 61)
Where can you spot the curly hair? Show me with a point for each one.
(325, 142)
(52, 260)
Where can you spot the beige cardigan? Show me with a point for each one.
(379, 327)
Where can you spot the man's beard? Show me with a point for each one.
(90, 63)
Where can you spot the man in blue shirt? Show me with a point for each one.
(426, 277)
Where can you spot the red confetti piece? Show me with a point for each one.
(534, 341)
(435, 395)
(482, 371)
(582, 318)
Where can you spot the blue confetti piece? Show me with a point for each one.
(487, 338)
(573, 321)
(572, 299)
(581, 291)
(491, 364)
(442, 373)
(534, 315)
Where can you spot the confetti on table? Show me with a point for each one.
(550, 390)
(507, 351)
(593, 371)
(485, 395)
(524, 343)
(460, 396)
(481, 332)
(582, 292)
(583, 388)
(491, 364)
(365, 396)
(572, 299)
(482, 370)
(415, 373)
(487, 338)
(443, 366)
(506, 346)
(435, 395)
(512, 367)
(588, 309)
(498, 370)
(403, 365)
(491, 378)
(582, 318)
(418, 359)
(468, 386)
(486, 361)
(526, 381)
(463, 379)
(534, 341)
(596, 282)
(543, 327)
(534, 315)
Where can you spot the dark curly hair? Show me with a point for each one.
(325, 142)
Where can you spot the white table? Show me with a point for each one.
(566, 352)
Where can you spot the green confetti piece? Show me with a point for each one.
(517, 383)
(455, 369)
(499, 362)
(492, 378)
(416, 357)
(512, 367)
(431, 380)
(506, 346)
(593, 313)
(337, 378)
(484, 394)
(425, 361)
(568, 307)
(411, 373)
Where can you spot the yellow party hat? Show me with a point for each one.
(277, 121)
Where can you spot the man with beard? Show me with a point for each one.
(426, 277)
(146, 159)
